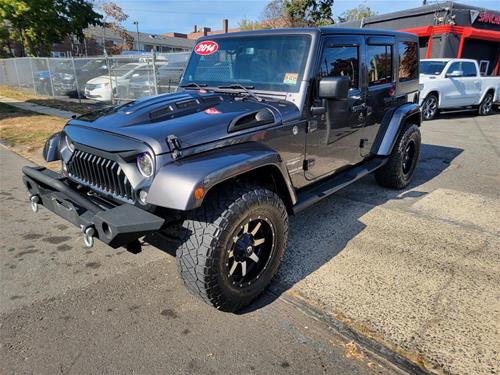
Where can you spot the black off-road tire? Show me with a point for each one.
(397, 173)
(430, 107)
(486, 106)
(208, 234)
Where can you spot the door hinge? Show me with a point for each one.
(308, 164)
(175, 146)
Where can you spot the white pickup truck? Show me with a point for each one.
(455, 84)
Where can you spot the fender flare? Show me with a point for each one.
(391, 127)
(174, 185)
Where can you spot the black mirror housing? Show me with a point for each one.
(51, 150)
(334, 87)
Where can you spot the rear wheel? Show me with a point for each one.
(399, 169)
(486, 105)
(430, 107)
(233, 245)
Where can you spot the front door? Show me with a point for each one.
(333, 139)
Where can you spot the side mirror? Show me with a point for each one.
(455, 73)
(334, 87)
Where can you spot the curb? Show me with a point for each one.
(278, 291)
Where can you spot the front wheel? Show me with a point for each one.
(233, 245)
(400, 167)
(486, 105)
(430, 107)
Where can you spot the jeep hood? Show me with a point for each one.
(193, 117)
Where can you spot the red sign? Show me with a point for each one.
(489, 18)
(206, 48)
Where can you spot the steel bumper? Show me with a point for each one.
(114, 225)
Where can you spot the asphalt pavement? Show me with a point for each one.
(66, 309)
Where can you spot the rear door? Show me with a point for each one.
(380, 53)
(333, 138)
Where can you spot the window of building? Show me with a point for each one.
(341, 61)
(379, 59)
(469, 69)
(408, 61)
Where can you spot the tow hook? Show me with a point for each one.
(88, 236)
(34, 200)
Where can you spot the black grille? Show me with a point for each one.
(100, 173)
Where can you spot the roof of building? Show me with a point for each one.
(425, 9)
(97, 32)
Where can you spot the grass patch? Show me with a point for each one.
(26, 132)
(27, 96)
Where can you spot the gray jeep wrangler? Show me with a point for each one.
(264, 124)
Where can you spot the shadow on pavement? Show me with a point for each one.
(308, 232)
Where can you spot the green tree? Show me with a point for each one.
(37, 24)
(246, 24)
(114, 16)
(300, 13)
(357, 14)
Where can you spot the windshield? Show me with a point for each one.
(271, 63)
(432, 67)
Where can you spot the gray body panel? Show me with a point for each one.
(175, 183)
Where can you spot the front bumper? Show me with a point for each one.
(114, 225)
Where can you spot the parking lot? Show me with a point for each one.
(415, 270)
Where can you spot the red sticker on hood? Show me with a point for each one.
(206, 47)
(212, 111)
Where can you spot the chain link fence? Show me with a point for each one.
(109, 79)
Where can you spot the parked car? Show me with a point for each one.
(265, 124)
(100, 88)
(456, 84)
(167, 79)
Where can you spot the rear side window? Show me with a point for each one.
(408, 61)
(469, 69)
(341, 61)
(379, 60)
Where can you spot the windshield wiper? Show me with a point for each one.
(194, 84)
(244, 88)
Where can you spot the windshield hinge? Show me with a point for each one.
(175, 146)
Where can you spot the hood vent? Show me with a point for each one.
(250, 120)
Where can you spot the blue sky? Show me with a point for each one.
(161, 16)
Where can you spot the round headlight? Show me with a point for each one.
(69, 144)
(145, 164)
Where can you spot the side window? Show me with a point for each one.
(379, 61)
(341, 61)
(408, 61)
(454, 67)
(469, 69)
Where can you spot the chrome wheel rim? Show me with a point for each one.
(429, 107)
(251, 250)
(487, 105)
(408, 157)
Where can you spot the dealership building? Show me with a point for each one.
(447, 30)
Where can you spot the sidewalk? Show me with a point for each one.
(27, 106)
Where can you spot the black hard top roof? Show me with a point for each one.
(324, 30)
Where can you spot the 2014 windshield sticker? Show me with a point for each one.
(290, 78)
(206, 47)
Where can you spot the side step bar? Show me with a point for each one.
(323, 189)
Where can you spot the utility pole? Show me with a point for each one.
(136, 23)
